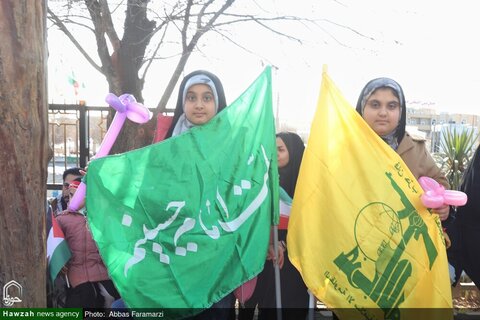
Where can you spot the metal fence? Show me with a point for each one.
(75, 133)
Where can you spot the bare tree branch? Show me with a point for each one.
(187, 52)
(149, 63)
(108, 25)
(67, 32)
(234, 42)
(164, 23)
(260, 21)
(170, 17)
(340, 3)
(249, 17)
(277, 32)
(202, 13)
(133, 55)
(118, 6)
(220, 12)
(69, 18)
(185, 25)
(74, 23)
(348, 28)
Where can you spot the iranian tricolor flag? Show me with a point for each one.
(285, 207)
(58, 251)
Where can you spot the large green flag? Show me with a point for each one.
(182, 223)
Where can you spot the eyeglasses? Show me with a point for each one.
(66, 184)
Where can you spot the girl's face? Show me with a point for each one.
(282, 153)
(199, 104)
(382, 111)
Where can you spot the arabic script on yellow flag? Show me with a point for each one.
(358, 232)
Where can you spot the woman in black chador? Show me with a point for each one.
(464, 230)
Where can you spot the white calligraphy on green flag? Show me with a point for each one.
(182, 223)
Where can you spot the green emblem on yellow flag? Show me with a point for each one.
(182, 223)
(358, 233)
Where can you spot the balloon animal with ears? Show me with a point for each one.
(127, 107)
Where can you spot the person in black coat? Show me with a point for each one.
(464, 228)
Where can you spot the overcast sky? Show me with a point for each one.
(430, 47)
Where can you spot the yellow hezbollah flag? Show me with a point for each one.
(358, 232)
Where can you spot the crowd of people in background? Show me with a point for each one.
(84, 281)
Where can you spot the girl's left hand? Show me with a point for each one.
(443, 212)
(271, 254)
(448, 242)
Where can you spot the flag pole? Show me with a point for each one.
(66, 280)
(311, 305)
(278, 290)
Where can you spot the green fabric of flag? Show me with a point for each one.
(182, 223)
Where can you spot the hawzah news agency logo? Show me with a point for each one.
(12, 293)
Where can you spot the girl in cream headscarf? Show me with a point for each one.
(382, 105)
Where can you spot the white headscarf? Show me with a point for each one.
(183, 124)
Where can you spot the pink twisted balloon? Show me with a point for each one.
(127, 107)
(435, 194)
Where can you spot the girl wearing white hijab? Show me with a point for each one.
(200, 98)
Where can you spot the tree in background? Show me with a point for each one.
(456, 151)
(148, 30)
(25, 152)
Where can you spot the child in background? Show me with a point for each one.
(89, 283)
(294, 292)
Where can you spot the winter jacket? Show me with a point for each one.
(86, 264)
(413, 152)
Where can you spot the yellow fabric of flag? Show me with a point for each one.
(358, 232)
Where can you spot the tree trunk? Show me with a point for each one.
(24, 153)
(138, 31)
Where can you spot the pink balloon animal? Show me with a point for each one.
(435, 194)
(127, 107)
